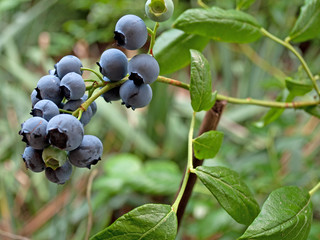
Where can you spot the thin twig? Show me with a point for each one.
(90, 181)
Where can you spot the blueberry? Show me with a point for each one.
(73, 105)
(113, 64)
(61, 174)
(143, 68)
(112, 95)
(131, 32)
(72, 86)
(159, 12)
(88, 153)
(33, 132)
(68, 64)
(65, 132)
(48, 87)
(34, 98)
(135, 96)
(33, 159)
(45, 109)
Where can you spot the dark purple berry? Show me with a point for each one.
(131, 32)
(33, 132)
(68, 64)
(65, 132)
(33, 159)
(135, 96)
(88, 153)
(61, 174)
(45, 109)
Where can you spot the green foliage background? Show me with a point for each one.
(145, 151)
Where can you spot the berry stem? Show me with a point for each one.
(250, 101)
(64, 111)
(93, 71)
(189, 167)
(153, 37)
(295, 52)
(107, 86)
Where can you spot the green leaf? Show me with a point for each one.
(298, 88)
(200, 83)
(244, 4)
(208, 144)
(286, 215)
(172, 49)
(221, 25)
(307, 24)
(147, 222)
(232, 193)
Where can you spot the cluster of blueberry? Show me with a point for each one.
(143, 69)
(63, 88)
(53, 135)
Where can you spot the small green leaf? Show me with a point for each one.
(307, 24)
(286, 215)
(208, 144)
(244, 4)
(221, 25)
(147, 222)
(201, 83)
(232, 193)
(298, 88)
(172, 49)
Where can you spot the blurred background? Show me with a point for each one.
(145, 151)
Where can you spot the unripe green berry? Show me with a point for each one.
(159, 10)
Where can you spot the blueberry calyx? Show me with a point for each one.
(120, 38)
(65, 91)
(136, 78)
(38, 93)
(57, 138)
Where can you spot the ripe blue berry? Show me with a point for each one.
(112, 95)
(113, 64)
(65, 132)
(61, 174)
(48, 87)
(135, 96)
(143, 68)
(68, 64)
(159, 12)
(45, 109)
(88, 153)
(33, 159)
(72, 86)
(33, 132)
(131, 32)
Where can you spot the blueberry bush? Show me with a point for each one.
(254, 182)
